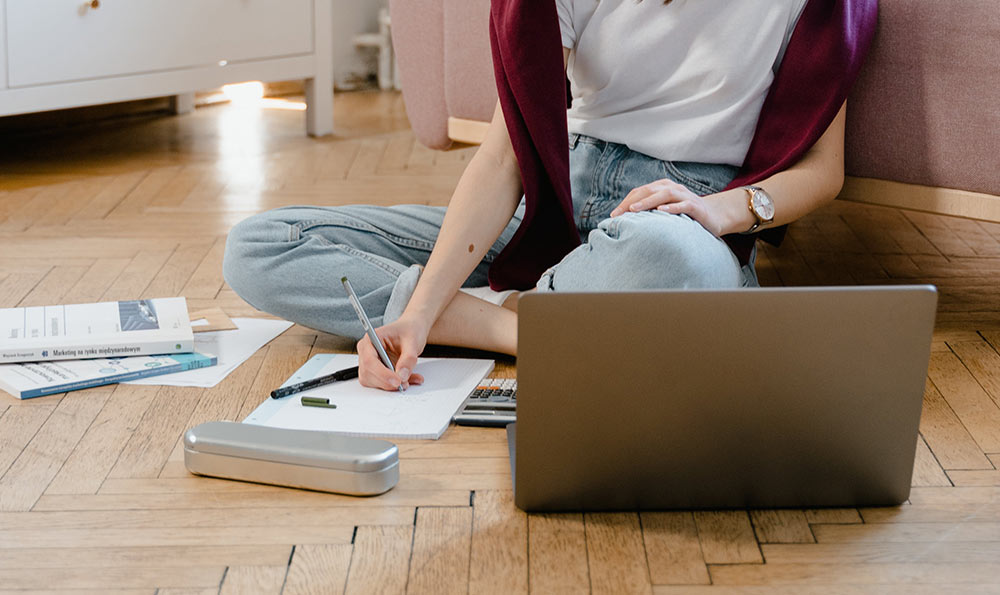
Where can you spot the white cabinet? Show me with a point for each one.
(65, 53)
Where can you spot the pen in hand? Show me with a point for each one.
(366, 323)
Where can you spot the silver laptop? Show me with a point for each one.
(785, 397)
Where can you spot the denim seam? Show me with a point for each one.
(686, 180)
(365, 256)
(587, 212)
(307, 225)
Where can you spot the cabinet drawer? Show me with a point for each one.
(67, 40)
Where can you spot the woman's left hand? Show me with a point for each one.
(670, 197)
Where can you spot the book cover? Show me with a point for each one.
(157, 326)
(28, 380)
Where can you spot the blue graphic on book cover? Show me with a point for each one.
(138, 315)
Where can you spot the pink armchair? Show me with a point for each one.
(445, 67)
(922, 121)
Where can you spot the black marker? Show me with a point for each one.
(322, 380)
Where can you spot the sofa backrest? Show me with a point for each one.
(926, 108)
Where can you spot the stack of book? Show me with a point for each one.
(52, 349)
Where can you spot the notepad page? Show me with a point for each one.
(422, 411)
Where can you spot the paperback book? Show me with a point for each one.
(28, 380)
(108, 329)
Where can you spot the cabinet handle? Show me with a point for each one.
(95, 4)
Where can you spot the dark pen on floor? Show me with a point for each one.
(284, 391)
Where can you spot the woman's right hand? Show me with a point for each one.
(403, 340)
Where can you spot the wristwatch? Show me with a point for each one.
(761, 205)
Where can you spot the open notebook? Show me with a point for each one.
(420, 412)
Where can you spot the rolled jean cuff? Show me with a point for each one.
(545, 281)
(402, 291)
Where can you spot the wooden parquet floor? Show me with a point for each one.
(94, 497)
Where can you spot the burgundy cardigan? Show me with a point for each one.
(823, 58)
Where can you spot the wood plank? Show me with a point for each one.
(854, 552)
(51, 289)
(449, 450)
(468, 465)
(142, 557)
(38, 463)
(206, 281)
(975, 478)
(800, 589)
(856, 574)
(136, 201)
(727, 537)
(557, 548)
(19, 425)
(93, 246)
(983, 362)
(926, 469)
(186, 482)
(933, 513)
(781, 526)
(17, 285)
(615, 553)
(253, 579)
(208, 518)
(440, 560)
(947, 438)
(176, 271)
(111, 578)
(672, 548)
(974, 408)
(943, 238)
(69, 202)
(114, 190)
(96, 280)
(285, 498)
(283, 357)
(992, 337)
(499, 554)
(908, 532)
(381, 560)
(318, 569)
(181, 185)
(153, 439)
(832, 515)
(173, 536)
(146, 591)
(98, 450)
(225, 400)
(136, 275)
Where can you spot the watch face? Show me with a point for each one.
(763, 206)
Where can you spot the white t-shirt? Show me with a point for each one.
(681, 82)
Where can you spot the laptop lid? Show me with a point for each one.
(778, 397)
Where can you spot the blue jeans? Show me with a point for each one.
(289, 261)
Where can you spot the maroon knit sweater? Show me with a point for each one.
(822, 60)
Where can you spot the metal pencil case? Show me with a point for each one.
(296, 458)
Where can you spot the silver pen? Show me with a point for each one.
(368, 326)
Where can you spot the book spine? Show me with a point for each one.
(92, 382)
(56, 353)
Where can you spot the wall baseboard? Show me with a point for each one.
(941, 201)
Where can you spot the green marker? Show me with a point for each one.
(317, 402)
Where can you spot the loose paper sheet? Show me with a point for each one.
(232, 348)
(422, 411)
